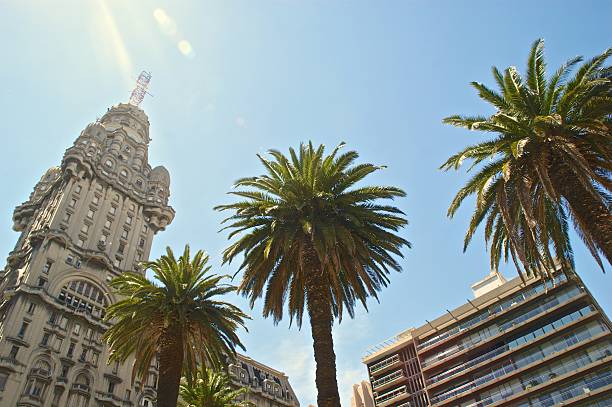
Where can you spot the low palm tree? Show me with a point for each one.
(313, 239)
(210, 388)
(550, 161)
(181, 319)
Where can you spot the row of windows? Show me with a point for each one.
(494, 309)
(534, 354)
(484, 333)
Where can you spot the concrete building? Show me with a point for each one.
(362, 395)
(267, 387)
(516, 344)
(87, 221)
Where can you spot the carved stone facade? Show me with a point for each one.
(86, 222)
(267, 387)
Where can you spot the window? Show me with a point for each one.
(116, 367)
(103, 238)
(77, 329)
(83, 297)
(123, 173)
(112, 210)
(71, 349)
(47, 267)
(13, 352)
(42, 281)
(57, 345)
(116, 198)
(117, 262)
(139, 183)
(45, 339)
(128, 394)
(95, 200)
(83, 356)
(31, 308)
(63, 322)
(108, 163)
(90, 214)
(121, 248)
(72, 203)
(80, 242)
(95, 356)
(53, 318)
(22, 330)
(4, 379)
(111, 387)
(145, 228)
(141, 243)
(85, 228)
(124, 233)
(65, 370)
(129, 219)
(78, 189)
(70, 259)
(107, 224)
(66, 217)
(99, 187)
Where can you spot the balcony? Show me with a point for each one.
(81, 387)
(386, 381)
(520, 366)
(497, 332)
(385, 364)
(508, 303)
(9, 363)
(395, 395)
(108, 399)
(544, 332)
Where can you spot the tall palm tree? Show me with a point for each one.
(181, 319)
(211, 389)
(309, 236)
(549, 161)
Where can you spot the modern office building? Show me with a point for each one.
(531, 343)
(267, 387)
(87, 221)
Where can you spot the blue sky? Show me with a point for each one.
(232, 78)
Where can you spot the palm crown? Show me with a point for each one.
(180, 318)
(211, 389)
(550, 160)
(313, 239)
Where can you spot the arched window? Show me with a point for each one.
(82, 379)
(123, 173)
(84, 297)
(108, 163)
(43, 367)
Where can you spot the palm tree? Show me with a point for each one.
(309, 236)
(211, 389)
(549, 161)
(180, 319)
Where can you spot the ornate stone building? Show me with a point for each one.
(267, 387)
(86, 222)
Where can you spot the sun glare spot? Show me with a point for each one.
(165, 22)
(185, 48)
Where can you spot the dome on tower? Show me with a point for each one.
(160, 174)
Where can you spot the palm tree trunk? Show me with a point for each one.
(321, 322)
(170, 368)
(592, 216)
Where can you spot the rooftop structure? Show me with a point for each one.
(267, 387)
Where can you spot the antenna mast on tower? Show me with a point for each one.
(139, 92)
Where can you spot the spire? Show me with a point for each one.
(139, 92)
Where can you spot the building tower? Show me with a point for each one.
(87, 221)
